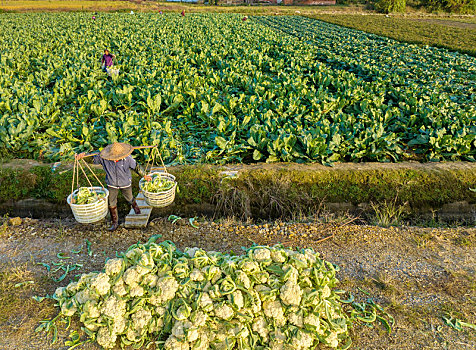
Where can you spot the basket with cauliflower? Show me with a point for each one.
(268, 298)
(89, 204)
(160, 191)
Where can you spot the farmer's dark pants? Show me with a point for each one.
(126, 192)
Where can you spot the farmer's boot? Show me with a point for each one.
(114, 218)
(135, 207)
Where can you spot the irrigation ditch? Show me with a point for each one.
(415, 191)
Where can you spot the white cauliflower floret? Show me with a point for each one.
(274, 310)
(260, 326)
(134, 253)
(325, 292)
(150, 280)
(249, 267)
(312, 320)
(83, 296)
(332, 340)
(178, 330)
(302, 257)
(202, 343)
(91, 310)
(68, 309)
(145, 264)
(213, 273)
(86, 278)
(173, 343)
(60, 292)
(131, 276)
(119, 325)
(224, 311)
(185, 330)
(295, 319)
(302, 341)
(114, 307)
(105, 338)
(199, 319)
(311, 255)
(205, 302)
(262, 292)
(261, 254)
(132, 334)
(196, 275)
(160, 311)
(241, 331)
(136, 290)
(72, 287)
(262, 277)
(101, 283)
(141, 318)
(277, 340)
(237, 299)
(191, 251)
(278, 255)
(168, 287)
(113, 266)
(256, 304)
(290, 294)
(243, 279)
(119, 288)
(293, 275)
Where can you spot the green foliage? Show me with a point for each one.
(410, 30)
(388, 6)
(233, 91)
(198, 184)
(387, 213)
(458, 6)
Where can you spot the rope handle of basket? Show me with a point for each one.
(76, 167)
(155, 150)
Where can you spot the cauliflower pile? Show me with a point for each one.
(269, 298)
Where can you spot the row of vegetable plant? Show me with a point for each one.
(213, 88)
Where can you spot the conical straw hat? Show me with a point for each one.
(116, 151)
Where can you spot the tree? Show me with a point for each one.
(387, 6)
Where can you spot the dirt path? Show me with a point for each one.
(417, 274)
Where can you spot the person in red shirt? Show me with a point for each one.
(183, 13)
(107, 60)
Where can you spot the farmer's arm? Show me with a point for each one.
(138, 169)
(96, 158)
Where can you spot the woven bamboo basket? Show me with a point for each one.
(89, 213)
(160, 199)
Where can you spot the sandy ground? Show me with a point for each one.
(418, 274)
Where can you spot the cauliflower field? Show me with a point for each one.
(211, 88)
(268, 298)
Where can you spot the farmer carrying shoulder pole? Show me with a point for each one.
(107, 60)
(117, 162)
